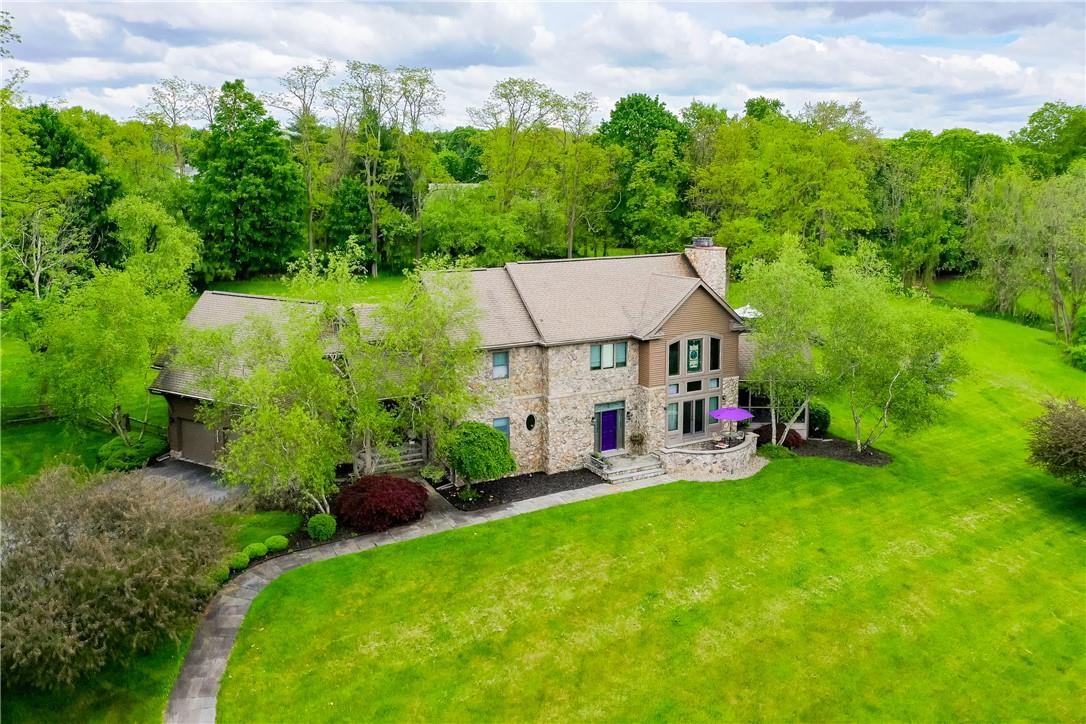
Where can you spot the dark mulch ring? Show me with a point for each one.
(519, 487)
(840, 449)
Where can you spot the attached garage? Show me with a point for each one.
(189, 439)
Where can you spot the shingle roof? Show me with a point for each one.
(220, 309)
(574, 300)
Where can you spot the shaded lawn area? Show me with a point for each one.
(26, 449)
(134, 693)
(946, 585)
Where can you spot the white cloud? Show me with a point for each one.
(886, 56)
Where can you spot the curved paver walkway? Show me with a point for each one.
(193, 698)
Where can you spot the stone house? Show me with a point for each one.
(607, 355)
(580, 357)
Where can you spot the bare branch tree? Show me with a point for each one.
(205, 99)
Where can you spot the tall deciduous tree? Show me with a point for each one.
(171, 104)
(300, 95)
(1054, 137)
(421, 100)
(893, 361)
(248, 196)
(114, 326)
(790, 297)
(516, 116)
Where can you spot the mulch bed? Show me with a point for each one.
(839, 449)
(520, 487)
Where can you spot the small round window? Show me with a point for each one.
(529, 422)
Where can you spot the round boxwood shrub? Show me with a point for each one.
(221, 574)
(238, 561)
(276, 543)
(378, 502)
(255, 550)
(321, 526)
(819, 418)
(115, 455)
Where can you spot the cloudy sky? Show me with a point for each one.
(913, 64)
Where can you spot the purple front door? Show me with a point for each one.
(608, 430)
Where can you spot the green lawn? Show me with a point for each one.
(249, 528)
(137, 692)
(970, 293)
(948, 585)
(376, 290)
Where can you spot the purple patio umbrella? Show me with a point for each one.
(731, 414)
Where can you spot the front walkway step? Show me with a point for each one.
(624, 468)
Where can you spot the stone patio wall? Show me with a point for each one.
(707, 463)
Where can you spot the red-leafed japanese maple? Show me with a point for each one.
(378, 502)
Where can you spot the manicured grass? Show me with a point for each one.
(376, 290)
(249, 528)
(947, 585)
(134, 693)
(26, 449)
(970, 293)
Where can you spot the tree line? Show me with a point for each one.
(353, 165)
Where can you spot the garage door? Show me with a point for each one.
(198, 443)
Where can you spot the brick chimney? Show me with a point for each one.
(710, 262)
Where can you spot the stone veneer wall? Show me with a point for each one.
(517, 397)
(711, 264)
(573, 391)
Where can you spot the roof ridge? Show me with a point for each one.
(620, 257)
(220, 293)
(524, 303)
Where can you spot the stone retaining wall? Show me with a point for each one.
(729, 463)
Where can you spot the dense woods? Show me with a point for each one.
(351, 160)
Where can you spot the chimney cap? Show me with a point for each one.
(702, 241)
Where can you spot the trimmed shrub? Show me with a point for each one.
(1057, 441)
(255, 550)
(378, 502)
(433, 474)
(239, 561)
(478, 452)
(819, 417)
(1076, 355)
(321, 527)
(792, 439)
(276, 543)
(221, 574)
(100, 569)
(115, 455)
(775, 452)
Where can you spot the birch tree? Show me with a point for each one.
(893, 359)
(789, 293)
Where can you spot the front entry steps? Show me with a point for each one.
(626, 468)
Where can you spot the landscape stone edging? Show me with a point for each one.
(194, 695)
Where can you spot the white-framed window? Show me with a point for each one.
(499, 362)
(714, 383)
(672, 416)
(501, 424)
(607, 356)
